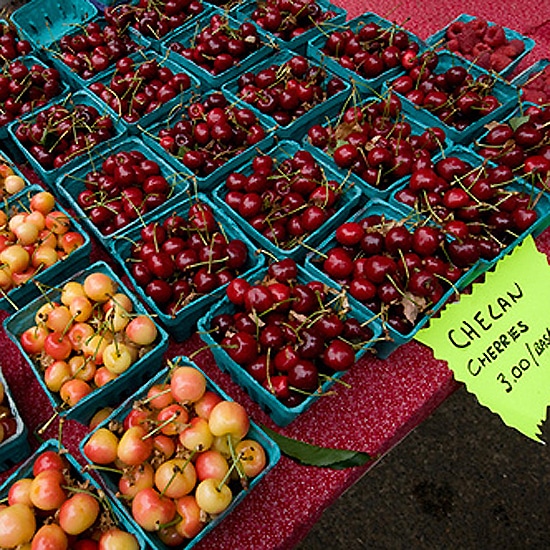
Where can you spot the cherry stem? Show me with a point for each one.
(318, 393)
(152, 397)
(268, 374)
(235, 465)
(70, 323)
(236, 459)
(72, 489)
(209, 262)
(268, 253)
(47, 424)
(60, 432)
(4, 294)
(101, 468)
(175, 521)
(163, 425)
(275, 306)
(178, 470)
(312, 319)
(319, 253)
(340, 297)
(333, 379)
(99, 496)
(374, 317)
(204, 348)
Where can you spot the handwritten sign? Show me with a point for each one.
(497, 339)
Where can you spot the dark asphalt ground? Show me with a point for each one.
(461, 480)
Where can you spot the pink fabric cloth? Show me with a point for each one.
(386, 400)
(424, 17)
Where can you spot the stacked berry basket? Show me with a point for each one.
(284, 196)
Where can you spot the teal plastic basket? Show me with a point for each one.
(393, 338)
(299, 42)
(16, 447)
(364, 86)
(541, 207)
(506, 94)
(111, 7)
(42, 22)
(298, 126)
(72, 183)
(385, 188)
(54, 53)
(348, 200)
(183, 323)
(281, 414)
(119, 517)
(115, 391)
(531, 74)
(70, 101)
(110, 480)
(519, 184)
(513, 120)
(439, 40)
(162, 111)
(29, 61)
(207, 182)
(186, 38)
(18, 297)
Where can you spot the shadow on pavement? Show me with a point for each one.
(462, 479)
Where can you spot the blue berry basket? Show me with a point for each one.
(72, 183)
(118, 514)
(371, 191)
(42, 22)
(16, 447)
(506, 94)
(102, 5)
(70, 101)
(281, 414)
(297, 43)
(28, 61)
(183, 323)
(110, 480)
(207, 182)
(393, 338)
(112, 393)
(531, 181)
(154, 40)
(529, 74)
(541, 207)
(77, 82)
(364, 86)
(161, 112)
(297, 127)
(186, 37)
(349, 199)
(18, 297)
(439, 40)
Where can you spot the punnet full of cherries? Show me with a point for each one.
(312, 281)
(285, 200)
(290, 335)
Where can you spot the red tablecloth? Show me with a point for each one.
(387, 398)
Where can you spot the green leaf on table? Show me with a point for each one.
(312, 455)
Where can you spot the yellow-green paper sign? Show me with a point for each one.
(497, 339)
